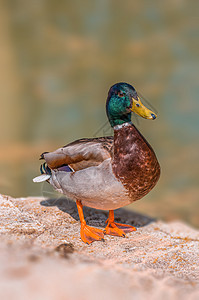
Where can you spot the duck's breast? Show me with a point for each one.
(134, 163)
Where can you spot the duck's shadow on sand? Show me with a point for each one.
(95, 217)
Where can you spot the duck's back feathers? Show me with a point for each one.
(80, 154)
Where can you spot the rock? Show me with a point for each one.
(43, 257)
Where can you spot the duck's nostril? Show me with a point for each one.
(153, 116)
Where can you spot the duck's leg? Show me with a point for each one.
(88, 234)
(117, 229)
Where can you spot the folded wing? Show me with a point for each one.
(80, 154)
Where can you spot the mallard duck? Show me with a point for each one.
(106, 172)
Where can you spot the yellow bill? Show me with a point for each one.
(141, 110)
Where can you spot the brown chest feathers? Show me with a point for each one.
(134, 162)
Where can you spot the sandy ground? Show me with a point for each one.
(43, 257)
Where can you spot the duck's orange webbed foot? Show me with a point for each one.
(88, 234)
(117, 229)
(91, 234)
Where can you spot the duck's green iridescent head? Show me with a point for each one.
(122, 100)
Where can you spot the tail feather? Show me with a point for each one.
(41, 178)
(44, 169)
(45, 173)
(41, 169)
(42, 155)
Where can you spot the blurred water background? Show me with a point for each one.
(58, 60)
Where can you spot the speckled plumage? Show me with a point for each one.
(134, 162)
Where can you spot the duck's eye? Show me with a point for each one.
(138, 105)
(120, 94)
